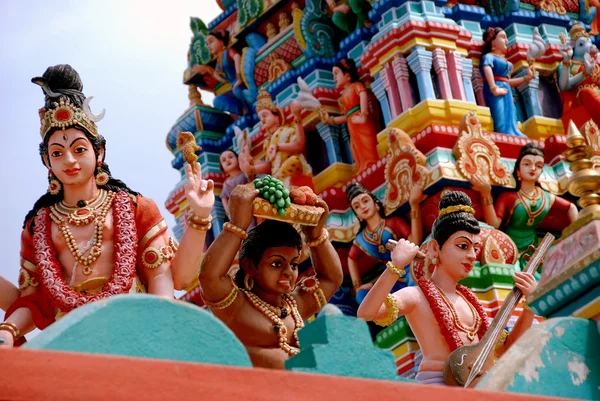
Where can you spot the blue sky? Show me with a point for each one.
(130, 54)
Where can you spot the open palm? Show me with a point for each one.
(199, 192)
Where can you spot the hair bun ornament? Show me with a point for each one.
(490, 31)
(455, 209)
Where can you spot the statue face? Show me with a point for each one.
(277, 271)
(340, 78)
(581, 46)
(364, 207)
(215, 46)
(457, 256)
(229, 161)
(268, 120)
(531, 168)
(71, 157)
(500, 43)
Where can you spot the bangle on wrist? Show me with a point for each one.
(11, 328)
(396, 270)
(324, 237)
(493, 87)
(415, 214)
(238, 231)
(199, 223)
(331, 120)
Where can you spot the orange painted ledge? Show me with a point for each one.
(50, 375)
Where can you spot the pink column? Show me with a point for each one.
(441, 69)
(478, 86)
(455, 71)
(389, 83)
(401, 73)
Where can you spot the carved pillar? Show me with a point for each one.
(331, 136)
(517, 105)
(467, 76)
(478, 86)
(441, 70)
(379, 92)
(389, 83)
(455, 72)
(529, 91)
(218, 215)
(420, 61)
(400, 66)
(346, 144)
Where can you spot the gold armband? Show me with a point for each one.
(200, 223)
(311, 285)
(324, 237)
(26, 279)
(238, 231)
(414, 214)
(396, 270)
(11, 328)
(153, 257)
(225, 302)
(392, 312)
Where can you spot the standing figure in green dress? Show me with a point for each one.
(523, 212)
(350, 15)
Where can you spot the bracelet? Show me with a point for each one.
(324, 237)
(225, 302)
(298, 120)
(487, 200)
(566, 63)
(200, 220)
(414, 214)
(396, 270)
(364, 113)
(331, 120)
(238, 231)
(200, 224)
(11, 328)
(356, 284)
(392, 312)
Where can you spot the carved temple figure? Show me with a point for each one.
(265, 305)
(579, 79)
(523, 212)
(354, 103)
(230, 166)
(497, 83)
(350, 15)
(368, 254)
(90, 236)
(228, 69)
(284, 146)
(442, 314)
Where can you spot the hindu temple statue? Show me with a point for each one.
(350, 15)
(227, 69)
(90, 236)
(497, 83)
(368, 254)
(579, 78)
(230, 166)
(264, 305)
(442, 314)
(523, 212)
(284, 146)
(354, 103)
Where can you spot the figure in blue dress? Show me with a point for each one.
(497, 83)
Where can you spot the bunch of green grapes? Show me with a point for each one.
(272, 190)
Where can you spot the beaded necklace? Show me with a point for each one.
(268, 310)
(471, 332)
(528, 208)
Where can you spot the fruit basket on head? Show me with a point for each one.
(276, 202)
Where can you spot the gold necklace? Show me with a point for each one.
(532, 215)
(81, 216)
(96, 248)
(267, 309)
(471, 332)
(533, 197)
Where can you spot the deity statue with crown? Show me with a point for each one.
(579, 78)
(284, 146)
(90, 236)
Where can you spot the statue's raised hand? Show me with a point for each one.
(240, 205)
(199, 192)
(567, 52)
(313, 233)
(481, 184)
(404, 252)
(589, 63)
(416, 195)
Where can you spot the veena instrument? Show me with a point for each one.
(469, 363)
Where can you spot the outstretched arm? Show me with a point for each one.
(214, 281)
(326, 262)
(200, 196)
(373, 307)
(21, 318)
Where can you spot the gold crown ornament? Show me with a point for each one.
(65, 115)
(265, 101)
(577, 31)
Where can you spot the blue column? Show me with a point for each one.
(467, 75)
(331, 136)
(218, 215)
(379, 91)
(529, 91)
(345, 135)
(420, 61)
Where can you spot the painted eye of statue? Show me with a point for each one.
(56, 153)
(462, 246)
(294, 266)
(276, 264)
(80, 149)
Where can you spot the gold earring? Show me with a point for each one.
(54, 186)
(101, 176)
(434, 261)
(248, 282)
